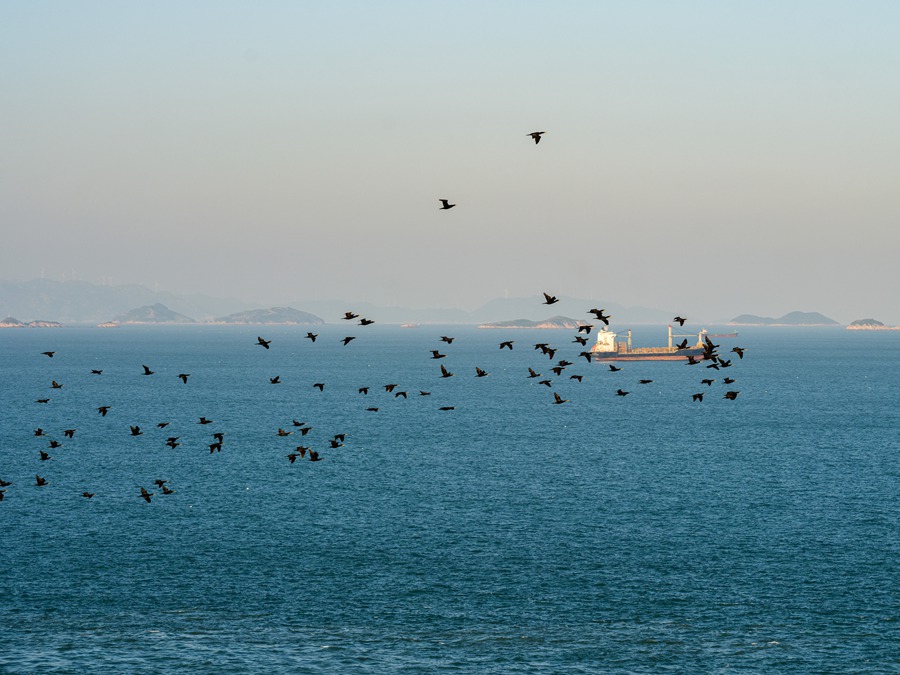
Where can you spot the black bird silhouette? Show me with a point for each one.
(40, 481)
(372, 409)
(347, 340)
(69, 433)
(557, 370)
(340, 437)
(147, 371)
(424, 393)
(87, 495)
(293, 457)
(550, 299)
(146, 495)
(183, 377)
(546, 382)
(559, 399)
(136, 431)
(680, 320)
(314, 456)
(282, 432)
(599, 313)
(305, 430)
(55, 444)
(436, 354)
(728, 380)
(531, 373)
(275, 380)
(349, 316)
(2, 492)
(219, 436)
(44, 456)
(580, 340)
(551, 353)
(366, 322)
(42, 400)
(5, 483)
(739, 351)
(172, 444)
(390, 387)
(103, 409)
(168, 491)
(320, 386)
(508, 344)
(50, 354)
(215, 447)
(400, 393)
(681, 345)
(697, 397)
(479, 372)
(585, 329)
(162, 425)
(445, 372)
(160, 482)
(542, 346)
(96, 372)
(645, 381)
(39, 432)
(312, 336)
(446, 339)
(536, 135)
(619, 392)
(263, 343)
(731, 394)
(55, 385)
(707, 382)
(363, 390)
(613, 368)
(447, 407)
(301, 450)
(691, 360)
(334, 443)
(576, 377)
(445, 204)
(203, 420)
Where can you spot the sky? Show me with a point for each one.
(714, 158)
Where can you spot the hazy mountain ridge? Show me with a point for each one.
(789, 319)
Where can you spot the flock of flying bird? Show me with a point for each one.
(710, 356)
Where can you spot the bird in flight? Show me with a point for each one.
(94, 371)
(203, 420)
(559, 399)
(436, 354)
(550, 299)
(103, 409)
(613, 369)
(146, 495)
(50, 354)
(508, 344)
(136, 431)
(55, 385)
(40, 481)
(366, 322)
(312, 336)
(645, 381)
(147, 371)
(347, 340)
(275, 380)
(739, 351)
(320, 386)
(263, 343)
(536, 135)
(480, 373)
(731, 395)
(531, 373)
(680, 320)
(599, 313)
(183, 377)
(87, 495)
(446, 205)
(349, 316)
(448, 340)
(363, 390)
(619, 392)
(697, 397)
(445, 372)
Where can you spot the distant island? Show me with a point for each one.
(789, 319)
(554, 322)
(10, 322)
(151, 314)
(274, 315)
(870, 324)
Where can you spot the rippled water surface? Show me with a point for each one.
(645, 533)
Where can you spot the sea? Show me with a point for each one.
(645, 533)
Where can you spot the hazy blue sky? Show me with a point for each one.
(711, 157)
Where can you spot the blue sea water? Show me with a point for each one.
(608, 534)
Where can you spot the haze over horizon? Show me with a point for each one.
(717, 159)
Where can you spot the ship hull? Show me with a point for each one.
(649, 355)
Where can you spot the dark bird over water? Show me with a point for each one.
(446, 339)
(599, 313)
(479, 372)
(366, 322)
(445, 204)
(580, 340)
(550, 299)
(203, 420)
(619, 392)
(536, 135)
(347, 340)
(707, 382)
(44, 456)
(96, 372)
(681, 345)
(55, 385)
(645, 381)
(162, 425)
(728, 380)
(613, 369)
(275, 380)
(363, 390)
(680, 320)
(263, 343)
(436, 354)
(557, 399)
(69, 433)
(42, 400)
(50, 354)
(40, 481)
(445, 372)
(320, 386)
(697, 397)
(311, 336)
(183, 377)
(55, 444)
(447, 407)
(87, 495)
(39, 432)
(577, 378)
(507, 344)
(531, 373)
(136, 431)
(146, 495)
(739, 351)
(147, 371)
(731, 395)
(103, 409)
(349, 316)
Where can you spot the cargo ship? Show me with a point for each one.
(608, 349)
